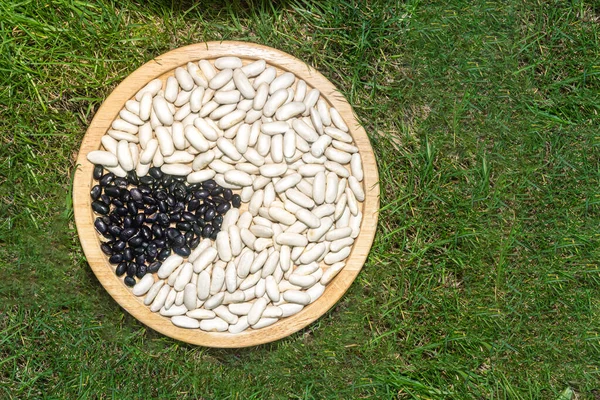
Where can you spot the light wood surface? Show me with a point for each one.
(162, 67)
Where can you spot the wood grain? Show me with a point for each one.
(162, 67)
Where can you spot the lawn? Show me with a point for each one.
(483, 280)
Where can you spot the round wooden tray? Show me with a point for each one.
(161, 67)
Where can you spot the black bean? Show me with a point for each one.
(132, 178)
(96, 192)
(210, 214)
(117, 203)
(178, 241)
(236, 201)
(131, 269)
(217, 190)
(209, 184)
(164, 254)
(223, 208)
(188, 197)
(121, 211)
(98, 171)
(100, 207)
(120, 182)
(218, 200)
(183, 251)
(154, 267)
(106, 249)
(128, 222)
(188, 237)
(163, 206)
(141, 271)
(150, 210)
(114, 230)
(100, 225)
(172, 233)
(188, 216)
(193, 205)
(202, 209)
(155, 172)
(146, 180)
(145, 190)
(119, 245)
(132, 208)
(174, 217)
(160, 195)
(160, 243)
(125, 196)
(106, 179)
(121, 269)
(207, 231)
(140, 259)
(201, 194)
(136, 194)
(138, 251)
(128, 233)
(128, 254)
(150, 219)
(149, 200)
(112, 191)
(213, 235)
(104, 198)
(152, 250)
(197, 228)
(227, 194)
(136, 241)
(194, 242)
(115, 258)
(139, 219)
(183, 226)
(129, 281)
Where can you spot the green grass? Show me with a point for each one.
(483, 281)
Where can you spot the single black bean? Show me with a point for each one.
(125, 196)
(128, 233)
(193, 205)
(236, 201)
(104, 198)
(150, 219)
(201, 194)
(146, 233)
(149, 200)
(115, 258)
(154, 267)
(207, 231)
(213, 235)
(137, 251)
(141, 271)
(202, 209)
(100, 225)
(183, 226)
(174, 217)
(106, 249)
(209, 184)
(197, 228)
(145, 190)
(227, 194)
(217, 190)
(98, 171)
(121, 211)
(163, 206)
(131, 269)
(140, 219)
(183, 251)
(210, 214)
(129, 281)
(96, 192)
(152, 250)
(160, 243)
(128, 254)
(188, 216)
(178, 241)
(119, 245)
(128, 222)
(132, 208)
(188, 197)
(136, 194)
(115, 230)
(218, 200)
(115, 219)
(121, 269)
(172, 233)
(157, 231)
(223, 208)
(106, 179)
(117, 202)
(194, 242)
(112, 191)
(136, 241)
(155, 172)
(146, 180)
(132, 178)
(160, 195)
(164, 254)
(100, 207)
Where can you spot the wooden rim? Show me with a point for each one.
(84, 217)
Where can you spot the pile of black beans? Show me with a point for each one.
(146, 218)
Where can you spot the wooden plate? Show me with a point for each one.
(162, 67)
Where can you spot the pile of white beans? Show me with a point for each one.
(288, 153)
